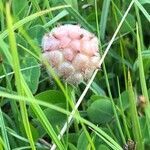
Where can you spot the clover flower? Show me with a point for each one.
(72, 51)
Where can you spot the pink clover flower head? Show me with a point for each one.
(72, 51)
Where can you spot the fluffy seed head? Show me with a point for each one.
(72, 51)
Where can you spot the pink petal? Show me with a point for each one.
(94, 45)
(60, 32)
(64, 42)
(86, 35)
(80, 62)
(95, 61)
(86, 48)
(66, 69)
(68, 54)
(50, 43)
(74, 32)
(75, 45)
(55, 58)
(75, 78)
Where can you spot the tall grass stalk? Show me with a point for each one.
(142, 80)
(16, 67)
(122, 112)
(24, 90)
(134, 116)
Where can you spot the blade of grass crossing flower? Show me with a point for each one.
(3, 131)
(103, 20)
(142, 80)
(134, 116)
(16, 68)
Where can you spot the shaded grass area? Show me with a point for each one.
(40, 111)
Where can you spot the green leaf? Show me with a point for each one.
(130, 19)
(35, 134)
(103, 147)
(71, 147)
(56, 118)
(100, 111)
(124, 99)
(146, 61)
(19, 8)
(31, 74)
(36, 33)
(82, 142)
(104, 16)
(51, 96)
(144, 128)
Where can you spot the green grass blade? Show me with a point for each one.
(103, 20)
(5, 51)
(3, 131)
(16, 67)
(73, 3)
(30, 18)
(126, 22)
(113, 105)
(80, 19)
(42, 118)
(32, 100)
(35, 4)
(106, 138)
(140, 27)
(134, 116)
(141, 69)
(122, 112)
(56, 18)
(143, 82)
(145, 13)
